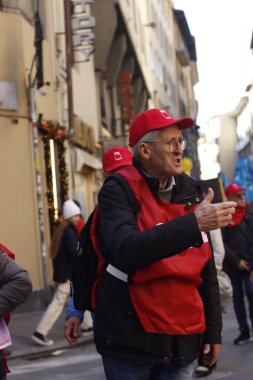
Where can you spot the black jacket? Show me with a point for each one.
(238, 242)
(65, 260)
(118, 332)
(15, 285)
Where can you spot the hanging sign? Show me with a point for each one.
(83, 36)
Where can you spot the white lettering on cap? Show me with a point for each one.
(165, 114)
(117, 156)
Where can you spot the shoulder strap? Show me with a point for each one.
(130, 180)
(85, 272)
(6, 250)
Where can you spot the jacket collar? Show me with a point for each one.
(185, 187)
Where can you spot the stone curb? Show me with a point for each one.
(37, 352)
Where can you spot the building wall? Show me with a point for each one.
(222, 133)
(18, 227)
(150, 25)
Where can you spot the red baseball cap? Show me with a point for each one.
(155, 119)
(116, 157)
(233, 188)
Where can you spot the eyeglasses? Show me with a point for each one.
(173, 144)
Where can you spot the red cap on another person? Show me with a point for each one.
(233, 188)
(155, 119)
(115, 158)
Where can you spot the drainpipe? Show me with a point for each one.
(69, 63)
(35, 123)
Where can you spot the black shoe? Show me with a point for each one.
(244, 337)
(41, 339)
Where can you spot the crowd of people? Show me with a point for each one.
(160, 254)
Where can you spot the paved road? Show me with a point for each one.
(83, 363)
(78, 364)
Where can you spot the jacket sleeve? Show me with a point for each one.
(70, 241)
(71, 311)
(15, 285)
(209, 291)
(231, 257)
(218, 247)
(129, 248)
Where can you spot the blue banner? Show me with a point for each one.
(244, 176)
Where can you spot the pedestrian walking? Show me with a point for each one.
(238, 241)
(15, 288)
(159, 293)
(63, 253)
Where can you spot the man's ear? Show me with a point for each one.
(145, 151)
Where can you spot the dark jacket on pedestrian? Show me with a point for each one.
(15, 288)
(238, 242)
(118, 331)
(64, 261)
(15, 285)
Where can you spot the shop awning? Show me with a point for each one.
(85, 158)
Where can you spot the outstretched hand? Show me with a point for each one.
(212, 216)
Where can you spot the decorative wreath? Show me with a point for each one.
(47, 131)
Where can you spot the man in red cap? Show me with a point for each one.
(238, 242)
(115, 158)
(159, 295)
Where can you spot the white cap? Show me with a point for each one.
(70, 209)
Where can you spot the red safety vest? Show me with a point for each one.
(165, 294)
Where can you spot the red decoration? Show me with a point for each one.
(127, 100)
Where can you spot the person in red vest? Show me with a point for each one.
(159, 296)
(114, 159)
(15, 288)
(238, 262)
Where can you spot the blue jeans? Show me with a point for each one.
(116, 369)
(242, 285)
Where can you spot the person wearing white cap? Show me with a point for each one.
(63, 253)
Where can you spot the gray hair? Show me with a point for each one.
(149, 137)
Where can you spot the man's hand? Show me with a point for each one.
(71, 329)
(211, 352)
(243, 265)
(212, 216)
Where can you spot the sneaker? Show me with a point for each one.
(41, 339)
(244, 337)
(202, 371)
(85, 331)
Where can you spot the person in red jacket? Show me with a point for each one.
(238, 242)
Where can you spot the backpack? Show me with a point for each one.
(225, 286)
(89, 265)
